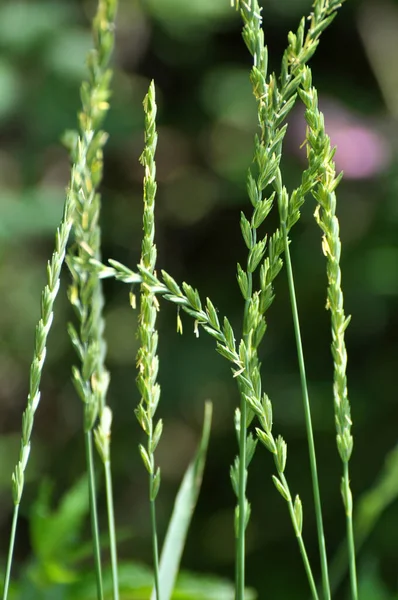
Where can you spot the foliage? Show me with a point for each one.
(57, 570)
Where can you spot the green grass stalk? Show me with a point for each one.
(43, 327)
(102, 435)
(86, 148)
(320, 158)
(308, 420)
(88, 438)
(241, 553)
(297, 524)
(112, 529)
(147, 360)
(350, 534)
(7, 577)
(274, 103)
(242, 470)
(155, 546)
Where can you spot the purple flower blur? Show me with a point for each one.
(362, 151)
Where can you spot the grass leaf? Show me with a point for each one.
(182, 513)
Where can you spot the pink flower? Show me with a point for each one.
(362, 151)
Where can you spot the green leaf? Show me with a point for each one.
(135, 584)
(182, 513)
(55, 534)
(206, 587)
(30, 212)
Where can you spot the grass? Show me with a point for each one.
(275, 96)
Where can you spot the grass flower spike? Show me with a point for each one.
(42, 330)
(86, 148)
(320, 156)
(147, 360)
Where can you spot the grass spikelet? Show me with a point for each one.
(43, 327)
(147, 359)
(320, 155)
(91, 379)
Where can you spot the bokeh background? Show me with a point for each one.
(207, 120)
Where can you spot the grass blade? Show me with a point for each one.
(182, 513)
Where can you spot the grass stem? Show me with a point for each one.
(240, 567)
(93, 513)
(241, 541)
(10, 551)
(308, 420)
(155, 548)
(350, 536)
(111, 526)
(303, 551)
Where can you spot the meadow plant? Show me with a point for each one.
(147, 360)
(275, 96)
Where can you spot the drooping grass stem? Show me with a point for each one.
(247, 378)
(308, 420)
(303, 551)
(43, 327)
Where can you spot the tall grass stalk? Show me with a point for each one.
(92, 379)
(42, 330)
(147, 359)
(320, 156)
(274, 104)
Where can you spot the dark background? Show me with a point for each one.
(207, 121)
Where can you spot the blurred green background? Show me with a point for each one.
(207, 120)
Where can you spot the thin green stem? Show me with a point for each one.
(350, 536)
(155, 546)
(93, 513)
(307, 566)
(111, 526)
(241, 541)
(10, 551)
(240, 592)
(308, 420)
(303, 551)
